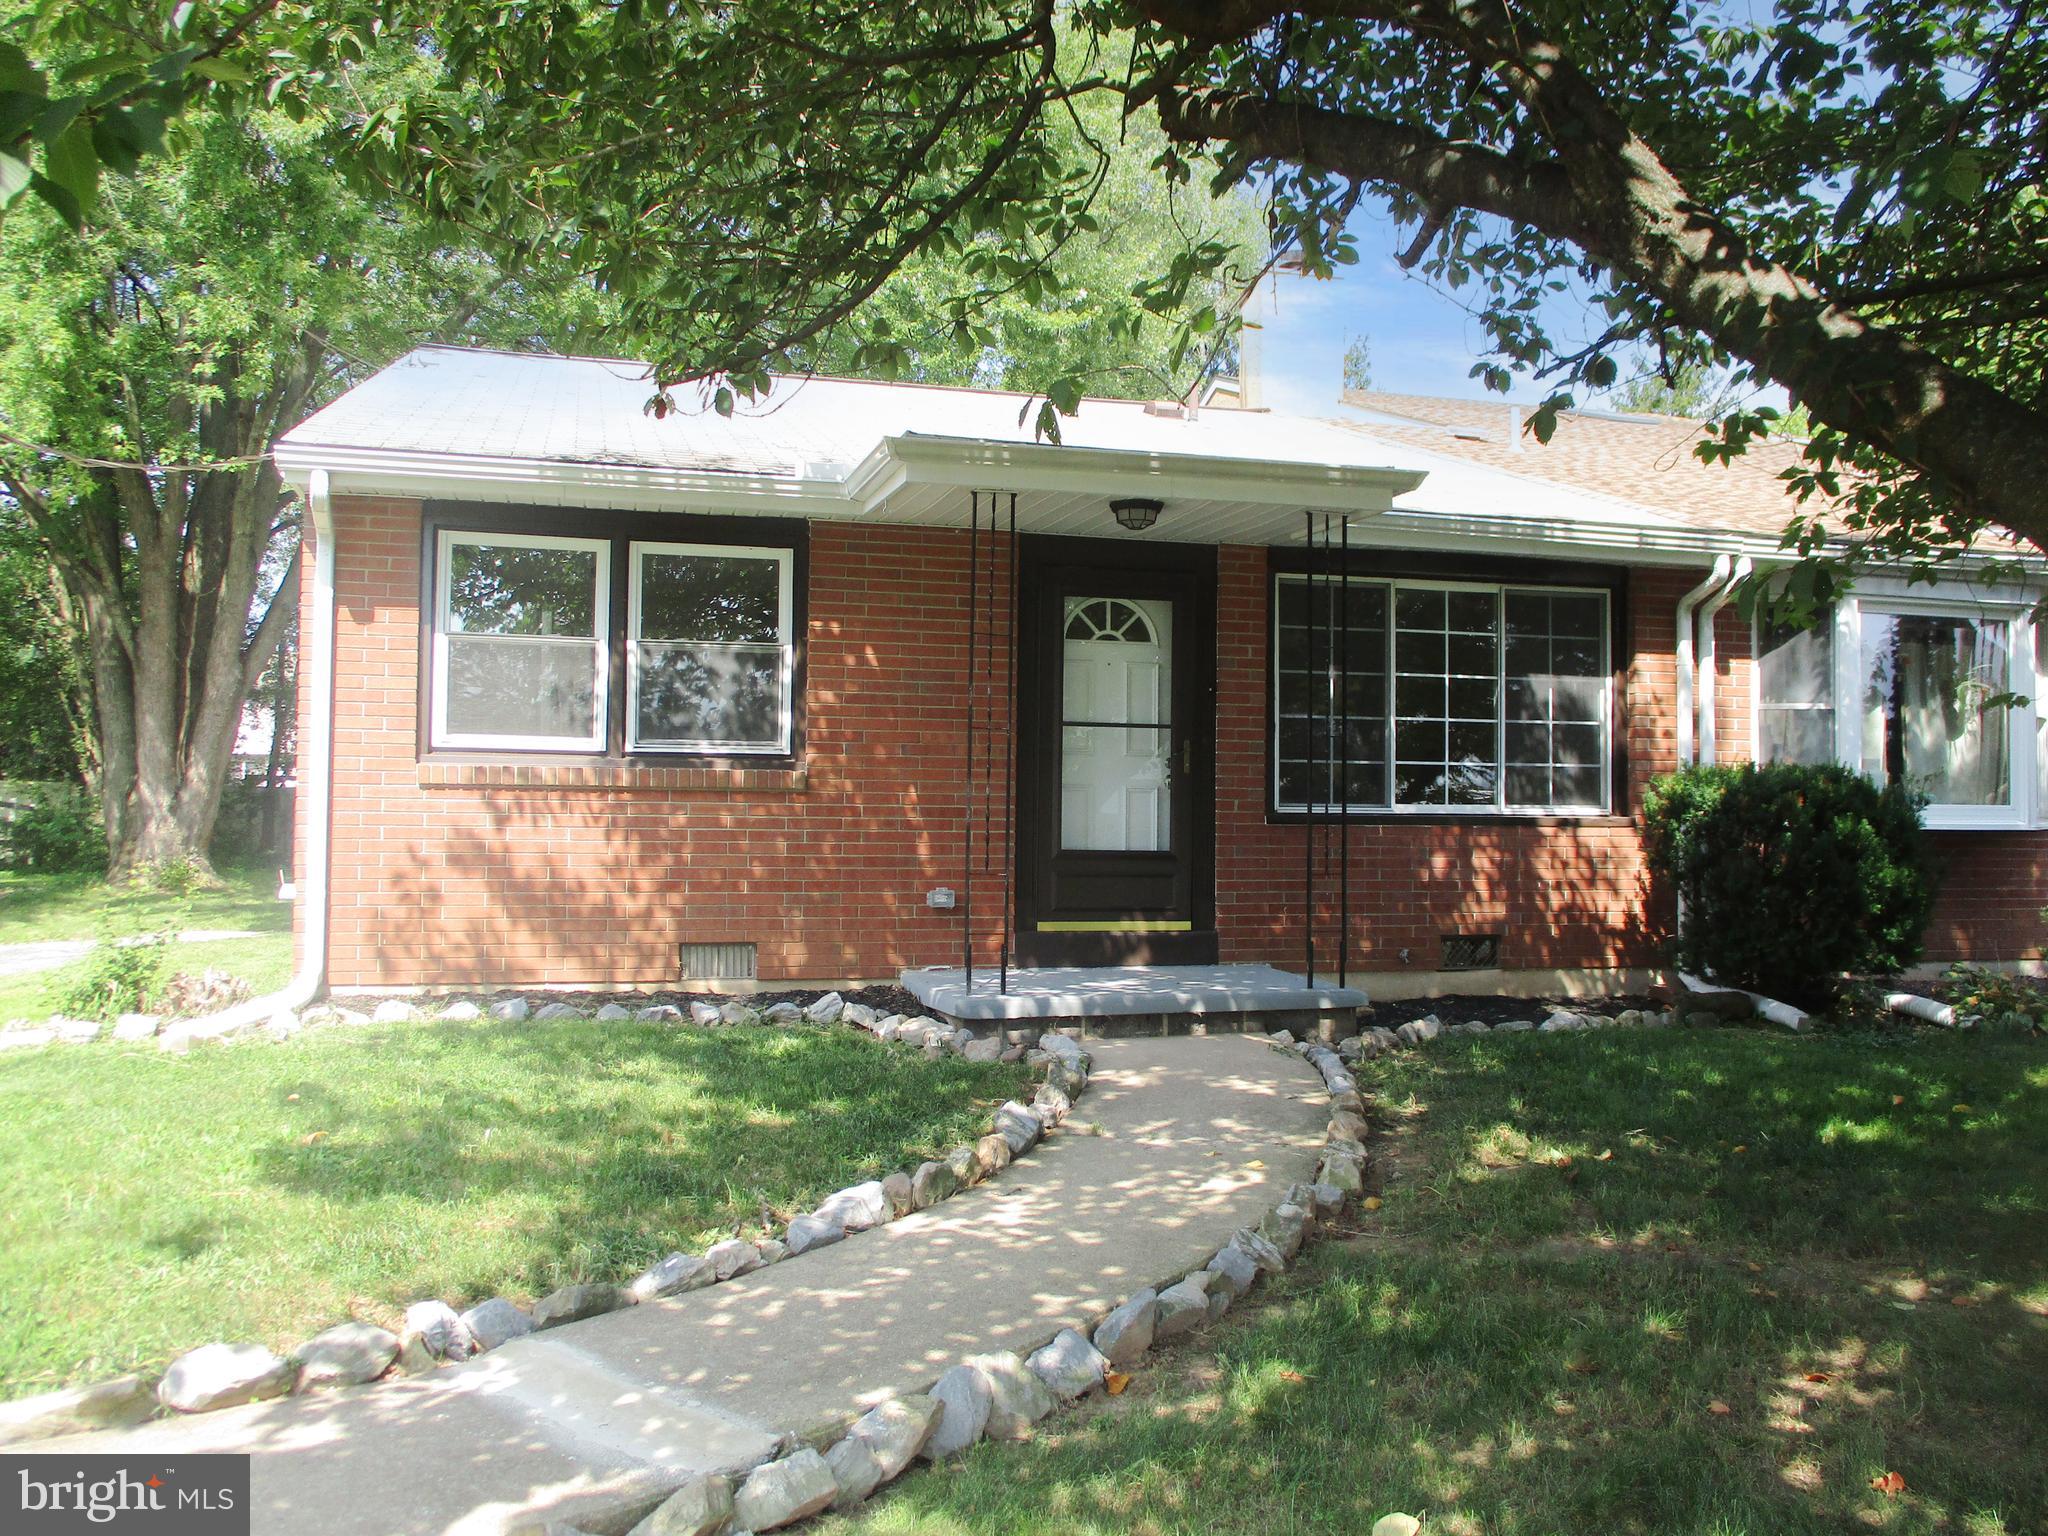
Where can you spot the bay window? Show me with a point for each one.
(1930, 693)
(639, 635)
(1450, 697)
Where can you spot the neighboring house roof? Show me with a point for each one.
(1643, 459)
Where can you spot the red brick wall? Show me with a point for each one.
(452, 874)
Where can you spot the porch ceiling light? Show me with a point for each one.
(1136, 513)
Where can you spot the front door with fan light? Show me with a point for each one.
(1114, 802)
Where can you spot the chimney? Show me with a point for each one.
(1514, 429)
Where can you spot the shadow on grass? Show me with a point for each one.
(619, 1133)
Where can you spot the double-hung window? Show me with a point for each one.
(621, 640)
(709, 649)
(521, 642)
(1457, 697)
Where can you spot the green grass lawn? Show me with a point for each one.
(266, 1191)
(1693, 1282)
(35, 908)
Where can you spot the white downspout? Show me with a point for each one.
(1683, 651)
(1705, 692)
(316, 780)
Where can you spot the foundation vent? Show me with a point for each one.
(715, 962)
(1470, 952)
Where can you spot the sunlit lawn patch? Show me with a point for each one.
(1697, 1282)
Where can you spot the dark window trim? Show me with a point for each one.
(621, 530)
(1381, 565)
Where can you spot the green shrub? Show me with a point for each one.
(58, 830)
(122, 975)
(1791, 876)
(1998, 999)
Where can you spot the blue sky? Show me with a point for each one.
(1423, 341)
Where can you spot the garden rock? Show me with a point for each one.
(102, 1405)
(1017, 1398)
(672, 1276)
(808, 1232)
(991, 1155)
(859, 1014)
(1182, 1309)
(932, 1183)
(855, 1470)
(1386, 1037)
(438, 1326)
(414, 1358)
(897, 1430)
(462, 1012)
(573, 1303)
(612, 1013)
(1561, 1022)
(136, 1026)
(223, 1375)
(896, 1189)
(783, 1492)
(1235, 1270)
(393, 1010)
(964, 1398)
(555, 1011)
(511, 1010)
(1070, 1366)
(705, 1014)
(1341, 1173)
(783, 1013)
(1125, 1335)
(773, 1250)
(966, 1166)
(1051, 1105)
(1346, 1126)
(1219, 1302)
(660, 1013)
(857, 1208)
(737, 1013)
(346, 1355)
(1286, 1225)
(1416, 1031)
(1019, 1127)
(982, 1050)
(1513, 1026)
(701, 1507)
(496, 1322)
(734, 1256)
(1259, 1250)
(827, 1009)
(1328, 1198)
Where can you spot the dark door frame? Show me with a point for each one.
(1050, 568)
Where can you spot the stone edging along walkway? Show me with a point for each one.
(222, 1375)
(1003, 1395)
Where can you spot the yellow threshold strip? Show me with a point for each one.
(1139, 925)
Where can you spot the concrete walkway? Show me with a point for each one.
(1197, 1137)
(48, 954)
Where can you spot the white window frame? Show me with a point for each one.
(1894, 596)
(785, 638)
(1501, 806)
(439, 736)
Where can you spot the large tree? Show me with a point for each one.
(148, 359)
(1839, 198)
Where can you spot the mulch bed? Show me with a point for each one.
(1490, 1009)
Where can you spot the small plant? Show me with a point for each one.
(174, 877)
(1792, 876)
(122, 975)
(58, 831)
(1998, 999)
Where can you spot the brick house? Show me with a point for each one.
(594, 698)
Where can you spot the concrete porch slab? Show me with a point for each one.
(1120, 991)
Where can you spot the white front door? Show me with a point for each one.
(1117, 725)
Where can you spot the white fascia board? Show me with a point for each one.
(979, 462)
(635, 487)
(1665, 544)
